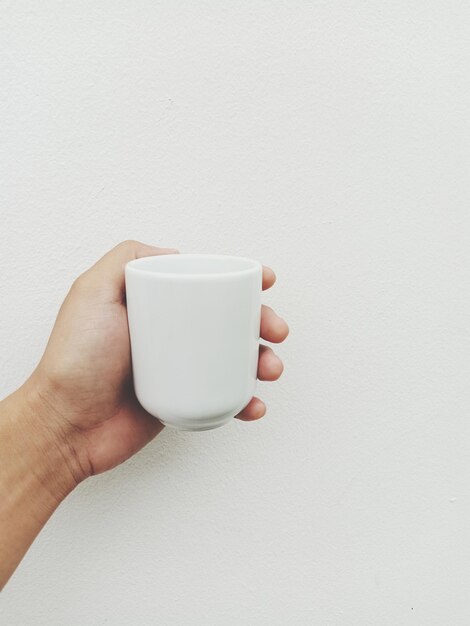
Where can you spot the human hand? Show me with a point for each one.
(83, 383)
(77, 414)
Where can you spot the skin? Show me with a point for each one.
(77, 414)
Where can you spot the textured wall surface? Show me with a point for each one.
(330, 140)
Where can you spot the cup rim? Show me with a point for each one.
(138, 266)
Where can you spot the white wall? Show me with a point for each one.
(332, 141)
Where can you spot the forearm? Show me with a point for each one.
(34, 475)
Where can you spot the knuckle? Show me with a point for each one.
(80, 283)
(129, 244)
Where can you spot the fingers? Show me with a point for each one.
(269, 277)
(254, 410)
(273, 328)
(108, 273)
(270, 366)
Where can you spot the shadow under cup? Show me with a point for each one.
(194, 323)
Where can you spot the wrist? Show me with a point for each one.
(40, 442)
(36, 473)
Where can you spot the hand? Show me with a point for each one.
(83, 382)
(77, 414)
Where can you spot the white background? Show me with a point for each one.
(330, 140)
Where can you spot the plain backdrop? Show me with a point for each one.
(330, 140)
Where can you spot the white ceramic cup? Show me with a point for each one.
(194, 323)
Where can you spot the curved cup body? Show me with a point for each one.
(194, 328)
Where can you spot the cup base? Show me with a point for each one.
(199, 425)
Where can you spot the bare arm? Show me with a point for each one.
(35, 476)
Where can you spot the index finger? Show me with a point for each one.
(108, 272)
(269, 277)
